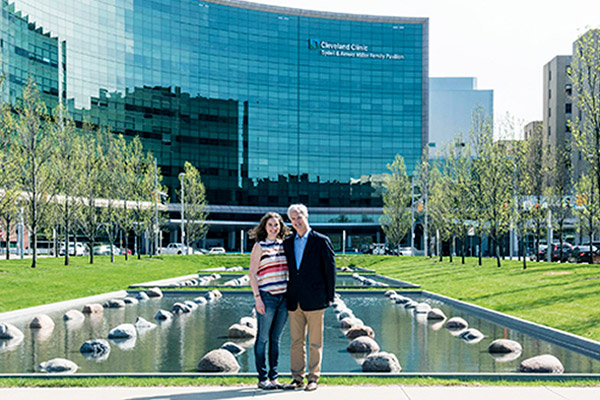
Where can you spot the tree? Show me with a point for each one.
(68, 164)
(9, 195)
(395, 220)
(423, 180)
(33, 147)
(585, 77)
(459, 194)
(496, 173)
(481, 135)
(123, 181)
(585, 210)
(194, 202)
(559, 191)
(90, 185)
(142, 184)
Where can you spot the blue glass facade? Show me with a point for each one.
(273, 105)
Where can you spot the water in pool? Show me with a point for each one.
(177, 346)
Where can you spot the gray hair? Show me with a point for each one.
(298, 208)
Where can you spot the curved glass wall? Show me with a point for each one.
(273, 105)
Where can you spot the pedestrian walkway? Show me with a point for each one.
(396, 392)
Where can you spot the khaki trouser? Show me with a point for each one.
(300, 322)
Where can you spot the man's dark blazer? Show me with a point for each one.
(313, 284)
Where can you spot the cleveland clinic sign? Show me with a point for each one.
(351, 50)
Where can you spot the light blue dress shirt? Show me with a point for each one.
(299, 246)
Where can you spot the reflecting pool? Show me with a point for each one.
(178, 345)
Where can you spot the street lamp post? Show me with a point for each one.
(181, 175)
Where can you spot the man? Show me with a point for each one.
(311, 286)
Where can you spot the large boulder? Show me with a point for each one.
(345, 314)
(141, 296)
(130, 300)
(163, 315)
(93, 308)
(97, 349)
(472, 336)
(238, 331)
(546, 363)
(358, 331)
(123, 331)
(435, 314)
(58, 366)
(124, 344)
(422, 308)
(456, 324)
(73, 315)
(402, 299)
(142, 325)
(504, 346)
(381, 362)
(200, 300)
(180, 308)
(350, 322)
(363, 344)
(10, 337)
(154, 292)
(249, 322)
(389, 293)
(9, 332)
(233, 348)
(191, 305)
(219, 360)
(41, 321)
(114, 303)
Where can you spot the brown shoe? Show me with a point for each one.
(295, 384)
(312, 385)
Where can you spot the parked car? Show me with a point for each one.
(176, 248)
(567, 248)
(80, 249)
(105, 250)
(405, 251)
(581, 254)
(217, 250)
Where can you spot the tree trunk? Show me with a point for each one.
(138, 240)
(496, 242)
(67, 244)
(480, 256)
(464, 246)
(7, 226)
(452, 249)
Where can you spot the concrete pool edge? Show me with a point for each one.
(474, 376)
(10, 316)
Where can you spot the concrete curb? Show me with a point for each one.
(43, 309)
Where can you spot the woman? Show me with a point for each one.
(268, 279)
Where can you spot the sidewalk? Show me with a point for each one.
(396, 392)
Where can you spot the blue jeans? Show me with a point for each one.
(270, 326)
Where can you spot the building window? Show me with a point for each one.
(549, 75)
(549, 93)
(549, 112)
(568, 89)
(549, 131)
(568, 126)
(568, 108)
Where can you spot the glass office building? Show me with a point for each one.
(273, 105)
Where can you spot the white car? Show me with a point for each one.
(79, 250)
(217, 250)
(176, 248)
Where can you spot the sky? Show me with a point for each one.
(504, 44)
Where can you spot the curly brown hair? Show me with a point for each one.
(260, 231)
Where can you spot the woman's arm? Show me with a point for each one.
(253, 275)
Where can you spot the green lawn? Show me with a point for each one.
(563, 296)
(52, 281)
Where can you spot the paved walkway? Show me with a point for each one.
(396, 392)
